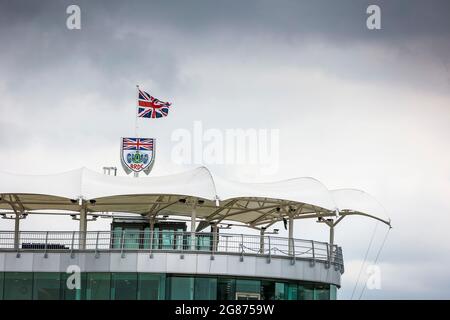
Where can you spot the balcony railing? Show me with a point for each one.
(182, 242)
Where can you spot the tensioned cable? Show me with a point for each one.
(364, 261)
(376, 258)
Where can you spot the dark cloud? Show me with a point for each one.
(227, 62)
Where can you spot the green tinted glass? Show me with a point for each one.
(292, 291)
(69, 286)
(205, 289)
(226, 289)
(98, 286)
(305, 292)
(151, 286)
(248, 286)
(181, 288)
(18, 286)
(124, 286)
(47, 286)
(322, 293)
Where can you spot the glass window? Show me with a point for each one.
(205, 289)
(156, 241)
(47, 286)
(226, 289)
(333, 292)
(267, 290)
(117, 236)
(18, 286)
(322, 293)
(167, 239)
(151, 286)
(248, 286)
(292, 291)
(98, 286)
(147, 238)
(181, 288)
(305, 292)
(204, 242)
(73, 294)
(131, 237)
(1, 285)
(179, 239)
(124, 286)
(280, 291)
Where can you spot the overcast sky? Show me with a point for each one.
(368, 109)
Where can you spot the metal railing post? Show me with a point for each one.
(96, 245)
(242, 248)
(122, 242)
(46, 243)
(181, 246)
(151, 243)
(328, 256)
(314, 251)
(293, 251)
(71, 245)
(313, 262)
(214, 240)
(18, 246)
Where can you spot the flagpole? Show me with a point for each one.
(137, 112)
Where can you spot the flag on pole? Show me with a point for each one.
(150, 107)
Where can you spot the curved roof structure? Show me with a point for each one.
(215, 199)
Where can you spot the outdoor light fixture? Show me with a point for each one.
(285, 223)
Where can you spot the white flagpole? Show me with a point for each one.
(137, 112)
(136, 174)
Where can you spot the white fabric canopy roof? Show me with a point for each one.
(215, 198)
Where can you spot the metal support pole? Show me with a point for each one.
(313, 262)
(83, 227)
(96, 245)
(152, 230)
(269, 257)
(214, 230)
(71, 245)
(242, 247)
(193, 218)
(122, 242)
(293, 251)
(214, 244)
(16, 231)
(291, 232)
(331, 243)
(46, 245)
(261, 240)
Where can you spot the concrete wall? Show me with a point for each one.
(164, 262)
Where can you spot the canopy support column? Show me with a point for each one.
(214, 229)
(291, 233)
(193, 225)
(332, 235)
(261, 240)
(83, 227)
(331, 224)
(16, 231)
(19, 213)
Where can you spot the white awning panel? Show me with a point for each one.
(220, 199)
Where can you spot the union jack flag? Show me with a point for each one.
(150, 107)
(137, 144)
